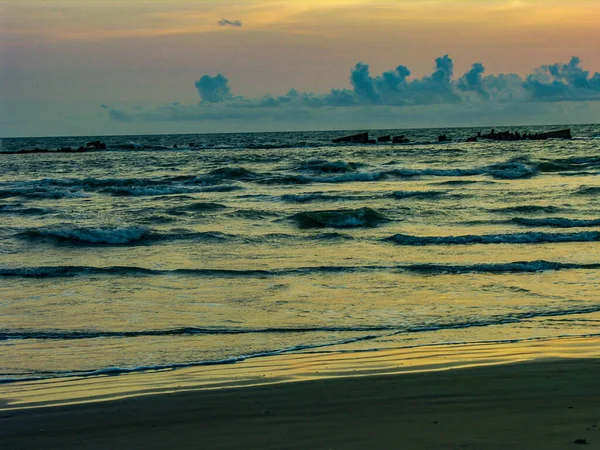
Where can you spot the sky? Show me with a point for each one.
(95, 67)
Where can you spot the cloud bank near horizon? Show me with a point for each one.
(394, 89)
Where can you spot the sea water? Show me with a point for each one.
(166, 251)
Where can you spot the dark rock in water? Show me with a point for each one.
(580, 441)
(508, 136)
(400, 139)
(387, 138)
(342, 218)
(557, 134)
(472, 139)
(191, 144)
(361, 138)
(443, 138)
(371, 141)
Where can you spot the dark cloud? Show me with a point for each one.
(230, 23)
(213, 89)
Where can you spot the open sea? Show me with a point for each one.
(157, 254)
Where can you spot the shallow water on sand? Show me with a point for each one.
(147, 256)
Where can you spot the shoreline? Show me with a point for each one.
(302, 366)
(549, 404)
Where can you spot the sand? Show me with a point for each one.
(544, 404)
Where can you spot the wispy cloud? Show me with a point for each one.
(230, 23)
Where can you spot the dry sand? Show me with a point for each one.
(531, 405)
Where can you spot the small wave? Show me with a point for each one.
(512, 267)
(374, 333)
(233, 173)
(556, 222)
(419, 195)
(319, 165)
(101, 235)
(588, 190)
(33, 192)
(198, 207)
(349, 218)
(253, 214)
(410, 173)
(461, 182)
(318, 196)
(350, 177)
(122, 271)
(19, 209)
(91, 334)
(577, 163)
(517, 238)
(284, 179)
(525, 209)
(512, 170)
(137, 191)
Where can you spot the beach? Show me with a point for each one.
(545, 405)
(489, 396)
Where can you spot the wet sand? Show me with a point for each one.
(544, 404)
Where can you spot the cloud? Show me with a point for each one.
(562, 81)
(388, 93)
(213, 89)
(230, 23)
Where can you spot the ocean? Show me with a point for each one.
(167, 251)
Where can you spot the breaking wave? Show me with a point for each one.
(349, 218)
(319, 165)
(100, 235)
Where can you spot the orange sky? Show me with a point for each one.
(154, 50)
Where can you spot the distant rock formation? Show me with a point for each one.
(361, 138)
(516, 136)
(443, 138)
(387, 138)
(400, 139)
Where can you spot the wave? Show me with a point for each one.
(349, 218)
(556, 222)
(512, 170)
(320, 165)
(34, 192)
(516, 238)
(376, 332)
(430, 269)
(318, 196)
(576, 163)
(137, 191)
(419, 195)
(186, 331)
(19, 209)
(253, 214)
(198, 207)
(101, 235)
(588, 190)
(525, 209)
(233, 173)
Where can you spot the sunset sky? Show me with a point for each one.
(85, 67)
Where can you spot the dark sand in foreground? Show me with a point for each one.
(533, 405)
